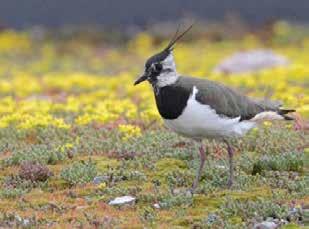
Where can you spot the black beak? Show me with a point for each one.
(141, 79)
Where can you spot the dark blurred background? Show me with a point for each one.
(55, 13)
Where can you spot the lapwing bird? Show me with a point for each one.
(200, 108)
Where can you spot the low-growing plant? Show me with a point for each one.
(179, 178)
(12, 193)
(13, 220)
(249, 209)
(30, 175)
(272, 140)
(148, 215)
(79, 172)
(99, 222)
(279, 162)
(217, 221)
(293, 182)
(34, 171)
(14, 186)
(171, 201)
(43, 154)
(113, 176)
(115, 191)
(15, 181)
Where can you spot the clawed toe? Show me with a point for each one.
(230, 184)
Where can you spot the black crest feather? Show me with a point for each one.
(163, 54)
(177, 37)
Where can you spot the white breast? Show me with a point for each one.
(200, 121)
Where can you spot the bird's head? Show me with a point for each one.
(160, 69)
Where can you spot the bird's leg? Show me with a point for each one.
(202, 154)
(230, 151)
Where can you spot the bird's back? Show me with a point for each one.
(224, 100)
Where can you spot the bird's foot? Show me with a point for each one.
(230, 183)
(195, 184)
(192, 190)
(230, 151)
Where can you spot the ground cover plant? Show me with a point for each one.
(75, 134)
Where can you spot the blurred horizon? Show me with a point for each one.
(54, 14)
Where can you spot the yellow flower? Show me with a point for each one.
(289, 125)
(129, 131)
(254, 130)
(58, 122)
(267, 123)
(142, 44)
(304, 110)
(102, 185)
(66, 146)
(48, 88)
(11, 41)
(150, 114)
(85, 119)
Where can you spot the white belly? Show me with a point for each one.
(201, 121)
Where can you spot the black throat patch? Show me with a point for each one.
(171, 100)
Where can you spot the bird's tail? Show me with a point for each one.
(284, 113)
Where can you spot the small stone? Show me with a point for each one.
(220, 167)
(265, 225)
(18, 218)
(26, 222)
(122, 200)
(211, 218)
(293, 211)
(179, 191)
(157, 206)
(250, 61)
(283, 222)
(88, 199)
(276, 221)
(99, 179)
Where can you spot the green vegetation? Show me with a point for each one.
(75, 134)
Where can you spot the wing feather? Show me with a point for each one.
(226, 101)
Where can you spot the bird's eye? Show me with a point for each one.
(158, 67)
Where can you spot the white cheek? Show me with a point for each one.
(167, 79)
(169, 63)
